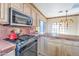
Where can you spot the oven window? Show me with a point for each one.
(30, 49)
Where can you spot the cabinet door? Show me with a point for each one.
(27, 9)
(18, 6)
(42, 46)
(66, 50)
(54, 49)
(75, 51)
(34, 17)
(4, 11)
(38, 20)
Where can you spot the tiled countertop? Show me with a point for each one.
(6, 47)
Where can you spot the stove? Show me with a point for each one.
(26, 45)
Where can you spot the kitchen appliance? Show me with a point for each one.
(12, 36)
(26, 45)
(19, 18)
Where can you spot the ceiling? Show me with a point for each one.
(57, 9)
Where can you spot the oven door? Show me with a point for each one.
(30, 49)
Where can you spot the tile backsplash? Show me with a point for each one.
(5, 30)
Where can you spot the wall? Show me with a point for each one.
(73, 28)
(5, 30)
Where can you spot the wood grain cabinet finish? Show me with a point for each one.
(67, 50)
(58, 47)
(21, 7)
(27, 9)
(75, 49)
(67, 46)
(54, 47)
(34, 17)
(4, 11)
(18, 6)
(42, 46)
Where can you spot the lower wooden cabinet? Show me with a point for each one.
(42, 46)
(54, 48)
(57, 47)
(70, 50)
(75, 51)
(66, 50)
(48, 47)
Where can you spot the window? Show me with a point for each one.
(56, 28)
(42, 26)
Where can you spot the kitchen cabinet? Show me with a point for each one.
(42, 46)
(49, 47)
(27, 9)
(11, 53)
(64, 48)
(57, 47)
(75, 49)
(54, 47)
(21, 7)
(67, 47)
(37, 19)
(67, 50)
(4, 11)
(18, 6)
(34, 17)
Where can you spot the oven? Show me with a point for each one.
(27, 48)
(25, 45)
(30, 49)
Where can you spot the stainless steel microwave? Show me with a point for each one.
(19, 18)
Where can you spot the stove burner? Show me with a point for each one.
(21, 41)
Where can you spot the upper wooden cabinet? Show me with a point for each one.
(21, 7)
(27, 10)
(18, 6)
(4, 11)
(34, 16)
